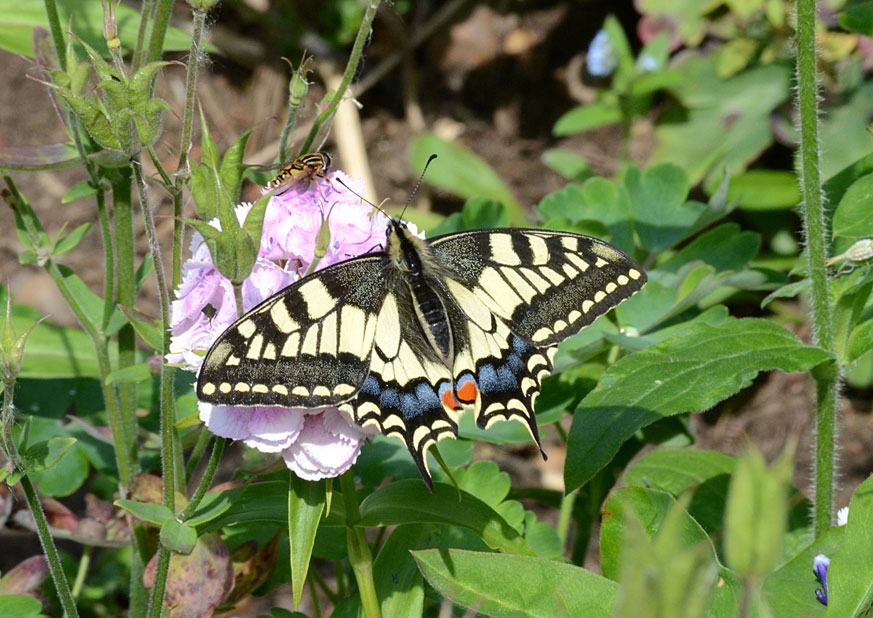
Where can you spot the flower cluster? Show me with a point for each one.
(317, 443)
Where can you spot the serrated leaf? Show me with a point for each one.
(657, 199)
(689, 372)
(178, 537)
(305, 506)
(509, 585)
(155, 513)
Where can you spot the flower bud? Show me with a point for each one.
(298, 87)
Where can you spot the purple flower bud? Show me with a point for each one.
(820, 569)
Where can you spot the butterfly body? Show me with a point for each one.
(300, 173)
(407, 338)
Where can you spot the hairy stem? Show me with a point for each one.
(815, 232)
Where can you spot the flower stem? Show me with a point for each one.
(42, 529)
(351, 68)
(139, 49)
(206, 481)
(359, 550)
(126, 294)
(65, 596)
(82, 571)
(51, 11)
(815, 232)
(159, 30)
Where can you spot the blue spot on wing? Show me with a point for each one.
(409, 405)
(371, 386)
(427, 397)
(389, 399)
(487, 378)
(506, 378)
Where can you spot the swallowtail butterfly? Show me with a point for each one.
(404, 339)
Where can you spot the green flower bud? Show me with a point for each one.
(756, 513)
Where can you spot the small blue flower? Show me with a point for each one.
(601, 59)
(820, 569)
(646, 63)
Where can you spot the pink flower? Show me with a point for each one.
(315, 444)
(327, 446)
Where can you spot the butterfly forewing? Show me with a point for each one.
(307, 346)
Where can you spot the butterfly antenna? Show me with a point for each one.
(418, 184)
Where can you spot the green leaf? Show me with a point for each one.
(178, 537)
(71, 240)
(734, 56)
(148, 329)
(858, 18)
(699, 141)
(461, 171)
(68, 473)
(650, 507)
(305, 506)
(508, 585)
(399, 584)
(44, 455)
(20, 605)
(860, 341)
(132, 373)
(155, 513)
(643, 530)
(598, 200)
(82, 189)
(764, 190)
(232, 167)
(568, 164)
(689, 372)
(726, 248)
(587, 117)
(18, 20)
(409, 501)
(850, 575)
(854, 218)
(657, 200)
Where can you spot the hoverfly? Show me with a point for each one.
(301, 172)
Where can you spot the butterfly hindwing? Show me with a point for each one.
(307, 346)
(545, 285)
